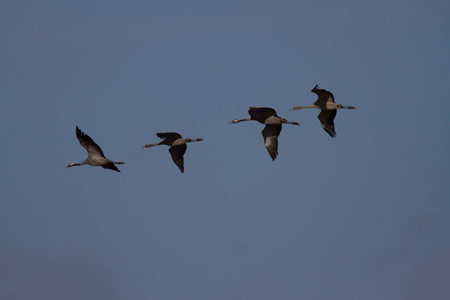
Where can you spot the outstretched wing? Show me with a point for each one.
(260, 114)
(270, 134)
(169, 136)
(91, 147)
(324, 96)
(326, 118)
(177, 153)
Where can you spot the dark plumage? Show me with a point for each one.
(270, 134)
(177, 153)
(326, 116)
(328, 109)
(177, 146)
(96, 157)
(271, 131)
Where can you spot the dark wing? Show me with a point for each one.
(270, 134)
(111, 166)
(91, 147)
(326, 118)
(177, 153)
(260, 114)
(324, 96)
(169, 136)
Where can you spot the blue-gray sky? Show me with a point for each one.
(362, 216)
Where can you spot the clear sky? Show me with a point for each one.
(363, 216)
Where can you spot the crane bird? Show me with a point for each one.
(95, 154)
(177, 146)
(267, 116)
(328, 109)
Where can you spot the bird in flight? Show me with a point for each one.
(177, 146)
(328, 109)
(267, 116)
(95, 154)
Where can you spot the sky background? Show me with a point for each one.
(363, 216)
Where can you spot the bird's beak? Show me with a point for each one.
(230, 122)
(294, 108)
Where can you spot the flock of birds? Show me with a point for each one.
(265, 115)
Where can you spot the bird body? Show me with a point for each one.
(328, 109)
(177, 146)
(267, 116)
(96, 157)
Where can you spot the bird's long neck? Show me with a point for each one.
(75, 164)
(151, 145)
(240, 120)
(303, 107)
